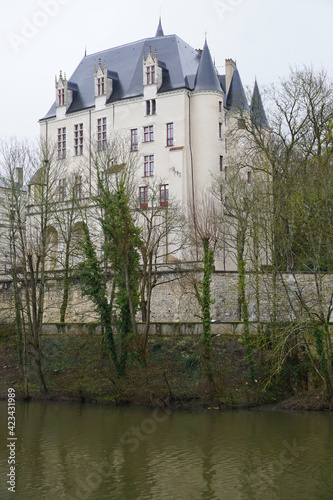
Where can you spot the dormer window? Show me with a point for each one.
(64, 95)
(103, 84)
(100, 86)
(61, 97)
(150, 75)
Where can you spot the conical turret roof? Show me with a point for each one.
(206, 78)
(236, 98)
(258, 114)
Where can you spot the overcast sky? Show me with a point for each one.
(41, 37)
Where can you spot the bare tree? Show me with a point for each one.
(205, 233)
(160, 221)
(111, 217)
(30, 215)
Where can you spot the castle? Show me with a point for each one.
(170, 102)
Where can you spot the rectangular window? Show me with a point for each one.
(169, 134)
(100, 86)
(78, 187)
(225, 146)
(249, 177)
(61, 97)
(220, 130)
(134, 139)
(143, 195)
(62, 189)
(78, 139)
(151, 107)
(241, 123)
(148, 165)
(226, 173)
(61, 143)
(164, 195)
(150, 75)
(148, 133)
(220, 106)
(101, 134)
(221, 163)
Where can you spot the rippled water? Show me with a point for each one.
(73, 451)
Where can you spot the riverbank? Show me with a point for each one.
(78, 368)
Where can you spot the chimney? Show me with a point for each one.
(229, 71)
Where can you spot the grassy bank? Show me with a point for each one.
(78, 367)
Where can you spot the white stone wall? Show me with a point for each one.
(174, 301)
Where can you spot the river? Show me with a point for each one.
(84, 451)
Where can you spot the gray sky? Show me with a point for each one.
(41, 37)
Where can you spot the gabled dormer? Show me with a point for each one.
(152, 74)
(103, 85)
(64, 94)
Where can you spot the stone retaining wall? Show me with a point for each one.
(173, 301)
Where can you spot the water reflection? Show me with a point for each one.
(73, 451)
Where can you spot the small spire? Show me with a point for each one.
(159, 31)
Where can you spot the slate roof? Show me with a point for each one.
(258, 114)
(182, 65)
(207, 78)
(236, 98)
